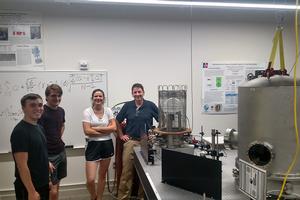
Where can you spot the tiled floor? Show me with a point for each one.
(80, 194)
(86, 197)
(70, 194)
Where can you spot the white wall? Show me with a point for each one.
(146, 51)
(152, 50)
(231, 41)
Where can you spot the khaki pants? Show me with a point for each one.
(127, 171)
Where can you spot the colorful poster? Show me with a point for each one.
(220, 83)
(21, 41)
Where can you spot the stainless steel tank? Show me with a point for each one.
(172, 118)
(172, 106)
(266, 130)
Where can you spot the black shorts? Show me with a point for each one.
(99, 150)
(60, 163)
(22, 194)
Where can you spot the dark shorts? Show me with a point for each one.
(99, 150)
(60, 163)
(21, 192)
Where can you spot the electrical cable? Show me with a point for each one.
(294, 64)
(116, 109)
(114, 181)
(112, 196)
(291, 166)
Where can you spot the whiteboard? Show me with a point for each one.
(77, 89)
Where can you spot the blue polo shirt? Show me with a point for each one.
(138, 121)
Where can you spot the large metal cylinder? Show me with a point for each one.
(266, 128)
(172, 106)
(172, 118)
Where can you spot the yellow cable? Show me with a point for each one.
(295, 77)
(295, 108)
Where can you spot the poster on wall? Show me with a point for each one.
(21, 43)
(220, 83)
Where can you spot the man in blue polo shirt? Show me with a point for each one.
(139, 114)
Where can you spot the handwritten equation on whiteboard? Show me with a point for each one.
(13, 88)
(11, 114)
(33, 84)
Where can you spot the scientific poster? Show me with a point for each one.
(220, 83)
(21, 41)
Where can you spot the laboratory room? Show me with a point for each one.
(149, 100)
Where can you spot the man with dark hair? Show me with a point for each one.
(28, 145)
(139, 115)
(137, 85)
(53, 87)
(53, 120)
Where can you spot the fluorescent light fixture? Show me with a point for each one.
(198, 4)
